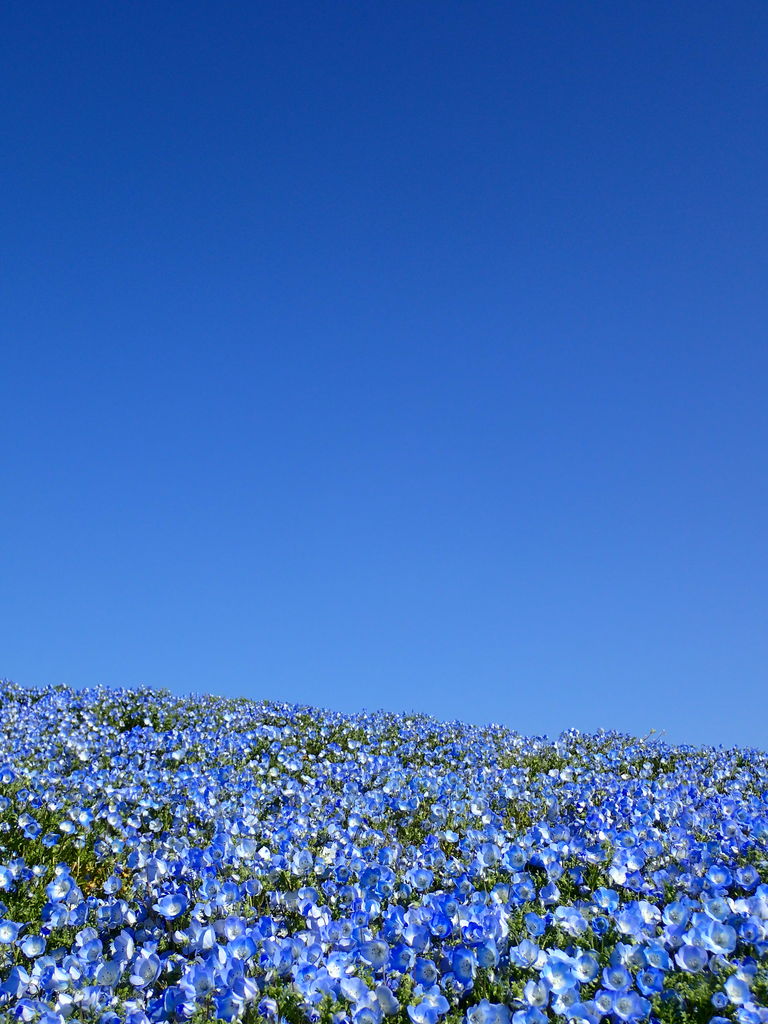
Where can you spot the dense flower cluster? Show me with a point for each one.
(201, 859)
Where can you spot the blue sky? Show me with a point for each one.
(403, 355)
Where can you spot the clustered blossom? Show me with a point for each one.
(201, 859)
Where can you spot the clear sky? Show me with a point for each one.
(390, 354)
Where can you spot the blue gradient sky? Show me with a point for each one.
(404, 355)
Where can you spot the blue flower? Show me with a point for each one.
(375, 952)
(108, 973)
(737, 990)
(536, 993)
(630, 1006)
(8, 932)
(33, 945)
(387, 1001)
(616, 978)
(431, 1007)
(585, 967)
(171, 906)
(691, 958)
(227, 1005)
(650, 981)
(16, 984)
(145, 969)
(486, 1012)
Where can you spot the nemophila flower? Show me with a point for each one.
(747, 876)
(51, 1017)
(650, 981)
(717, 909)
(145, 969)
(604, 1000)
(737, 991)
(529, 1015)
(487, 953)
(486, 1012)
(746, 969)
(440, 925)
(691, 958)
(53, 978)
(656, 956)
(60, 887)
(629, 955)
(430, 1008)
(33, 945)
(420, 878)
(751, 931)
(558, 972)
(549, 894)
(606, 899)
(676, 914)
(600, 925)
(585, 967)
(425, 972)
(367, 1015)
(536, 993)
(28, 1009)
(417, 936)
(201, 978)
(268, 1008)
(489, 855)
(171, 906)
(16, 984)
(8, 932)
(353, 988)
(616, 978)
(108, 973)
(718, 938)
(535, 924)
(629, 1006)
(375, 952)
(387, 1000)
(571, 920)
(719, 876)
(524, 954)
(464, 964)
(227, 1005)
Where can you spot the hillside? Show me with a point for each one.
(167, 859)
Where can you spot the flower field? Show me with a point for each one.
(203, 859)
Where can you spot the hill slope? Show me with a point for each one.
(201, 858)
